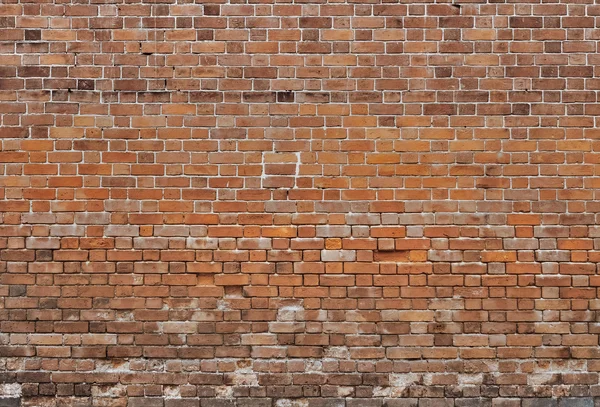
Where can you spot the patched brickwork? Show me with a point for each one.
(294, 203)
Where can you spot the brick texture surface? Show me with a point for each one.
(294, 203)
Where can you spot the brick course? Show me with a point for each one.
(299, 204)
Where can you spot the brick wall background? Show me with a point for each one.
(299, 203)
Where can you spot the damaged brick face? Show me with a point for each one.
(299, 203)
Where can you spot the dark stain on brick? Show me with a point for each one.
(285, 96)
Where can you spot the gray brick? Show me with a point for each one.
(576, 402)
(502, 402)
(408, 402)
(547, 402)
(10, 402)
(333, 231)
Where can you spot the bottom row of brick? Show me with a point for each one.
(312, 402)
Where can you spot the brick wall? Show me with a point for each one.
(299, 204)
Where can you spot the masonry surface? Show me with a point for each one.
(299, 203)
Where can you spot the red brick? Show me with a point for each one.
(211, 204)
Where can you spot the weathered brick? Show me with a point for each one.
(540, 402)
(576, 402)
(144, 401)
(297, 204)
